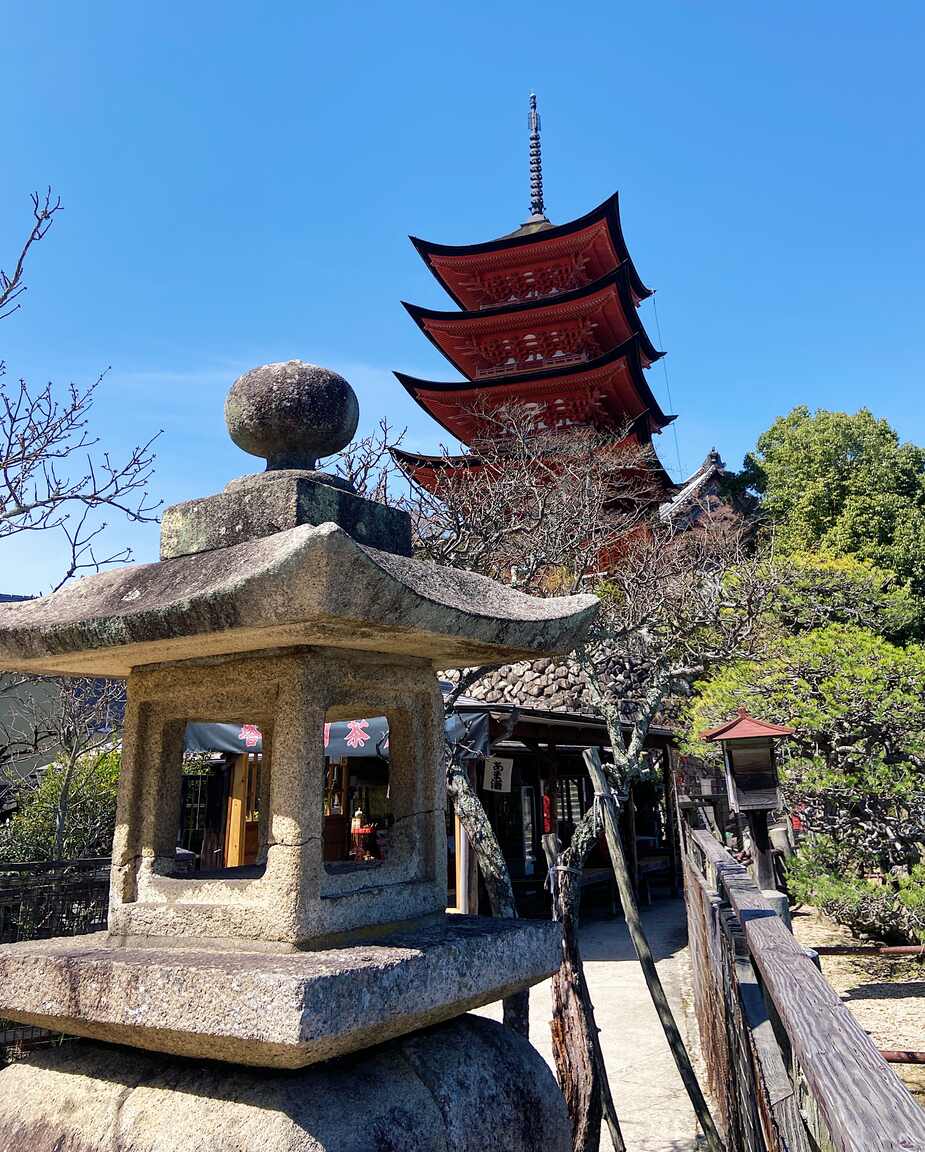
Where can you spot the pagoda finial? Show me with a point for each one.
(536, 161)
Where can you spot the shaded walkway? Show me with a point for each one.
(654, 1111)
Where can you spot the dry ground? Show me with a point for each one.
(887, 997)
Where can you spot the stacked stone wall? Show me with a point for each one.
(555, 685)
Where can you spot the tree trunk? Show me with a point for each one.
(492, 865)
(575, 1039)
(61, 809)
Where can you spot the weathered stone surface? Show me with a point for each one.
(295, 900)
(271, 502)
(283, 1010)
(469, 1086)
(291, 413)
(303, 586)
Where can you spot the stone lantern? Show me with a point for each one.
(286, 601)
(751, 780)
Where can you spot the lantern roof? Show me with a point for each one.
(288, 558)
(745, 727)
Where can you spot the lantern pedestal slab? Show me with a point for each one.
(469, 1084)
(282, 1009)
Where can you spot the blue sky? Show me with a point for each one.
(239, 182)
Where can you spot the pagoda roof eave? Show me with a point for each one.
(608, 210)
(402, 456)
(618, 278)
(628, 349)
(413, 462)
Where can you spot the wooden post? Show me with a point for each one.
(643, 951)
(632, 846)
(467, 872)
(237, 802)
(672, 830)
(471, 907)
(487, 850)
(761, 850)
(461, 864)
(576, 1043)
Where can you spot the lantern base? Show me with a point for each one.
(277, 1010)
(469, 1084)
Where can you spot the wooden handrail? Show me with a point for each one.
(865, 1106)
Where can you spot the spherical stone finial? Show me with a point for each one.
(291, 414)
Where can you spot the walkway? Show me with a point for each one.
(654, 1112)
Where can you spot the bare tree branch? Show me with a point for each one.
(11, 285)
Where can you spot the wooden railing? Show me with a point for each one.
(535, 364)
(789, 1068)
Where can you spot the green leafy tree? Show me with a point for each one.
(813, 590)
(88, 789)
(855, 700)
(845, 485)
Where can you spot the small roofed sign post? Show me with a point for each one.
(752, 782)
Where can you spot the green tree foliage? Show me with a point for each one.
(844, 502)
(90, 813)
(844, 485)
(824, 875)
(812, 590)
(855, 700)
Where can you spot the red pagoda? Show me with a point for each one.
(547, 317)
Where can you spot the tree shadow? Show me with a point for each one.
(912, 989)
(664, 922)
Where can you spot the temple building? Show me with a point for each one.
(546, 317)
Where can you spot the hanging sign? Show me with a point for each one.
(497, 776)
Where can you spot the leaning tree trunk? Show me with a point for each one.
(575, 1038)
(493, 867)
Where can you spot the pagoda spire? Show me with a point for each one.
(537, 209)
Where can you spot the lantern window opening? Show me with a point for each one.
(222, 817)
(357, 812)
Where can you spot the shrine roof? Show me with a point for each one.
(637, 431)
(434, 460)
(569, 378)
(538, 234)
(602, 292)
(745, 727)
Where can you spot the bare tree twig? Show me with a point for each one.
(12, 287)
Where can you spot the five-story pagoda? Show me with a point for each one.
(547, 318)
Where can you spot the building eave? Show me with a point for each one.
(618, 279)
(608, 210)
(629, 350)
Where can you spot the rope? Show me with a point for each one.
(674, 427)
(550, 884)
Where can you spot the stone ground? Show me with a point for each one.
(654, 1112)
